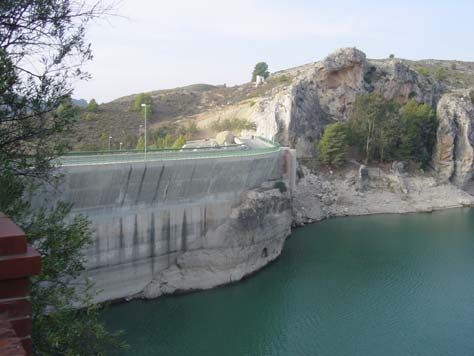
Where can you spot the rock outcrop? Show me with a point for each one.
(453, 157)
(326, 92)
(252, 236)
(321, 195)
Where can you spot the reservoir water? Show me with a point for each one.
(377, 285)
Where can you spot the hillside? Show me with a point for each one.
(173, 109)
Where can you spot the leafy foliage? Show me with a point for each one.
(57, 327)
(471, 95)
(179, 142)
(374, 125)
(333, 148)
(42, 49)
(140, 99)
(92, 106)
(417, 132)
(261, 68)
(383, 131)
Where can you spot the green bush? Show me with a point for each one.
(92, 106)
(88, 116)
(441, 74)
(333, 148)
(471, 95)
(140, 99)
(374, 126)
(423, 71)
(417, 132)
(383, 131)
(179, 142)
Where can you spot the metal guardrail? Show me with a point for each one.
(105, 157)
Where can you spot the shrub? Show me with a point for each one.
(423, 71)
(471, 95)
(92, 106)
(374, 126)
(179, 142)
(88, 116)
(383, 131)
(417, 132)
(441, 74)
(333, 148)
(140, 99)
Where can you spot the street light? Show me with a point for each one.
(110, 138)
(144, 106)
(121, 143)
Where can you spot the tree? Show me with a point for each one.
(333, 148)
(42, 50)
(374, 126)
(418, 126)
(392, 56)
(140, 99)
(92, 106)
(261, 68)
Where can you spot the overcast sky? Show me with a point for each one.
(166, 44)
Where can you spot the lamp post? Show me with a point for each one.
(144, 106)
(110, 138)
(121, 143)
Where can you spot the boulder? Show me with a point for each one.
(225, 138)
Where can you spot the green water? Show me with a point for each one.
(378, 285)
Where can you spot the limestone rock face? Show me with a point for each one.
(395, 80)
(326, 91)
(340, 78)
(453, 157)
(253, 236)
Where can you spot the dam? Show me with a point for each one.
(180, 222)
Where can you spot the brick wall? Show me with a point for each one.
(18, 262)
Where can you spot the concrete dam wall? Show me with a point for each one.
(162, 226)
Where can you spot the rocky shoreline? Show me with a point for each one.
(356, 191)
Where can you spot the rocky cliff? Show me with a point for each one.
(453, 158)
(326, 91)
